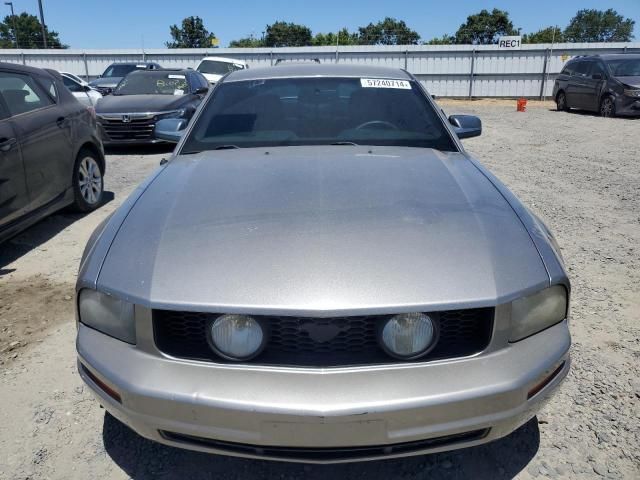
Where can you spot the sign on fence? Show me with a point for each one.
(510, 43)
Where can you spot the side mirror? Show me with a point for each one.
(597, 76)
(201, 90)
(170, 129)
(466, 126)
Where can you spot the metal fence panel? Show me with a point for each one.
(445, 70)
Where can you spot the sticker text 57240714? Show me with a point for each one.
(384, 83)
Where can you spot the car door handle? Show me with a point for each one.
(62, 122)
(6, 144)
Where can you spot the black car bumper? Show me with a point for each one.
(627, 106)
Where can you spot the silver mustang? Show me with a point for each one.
(321, 273)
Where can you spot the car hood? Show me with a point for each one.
(139, 103)
(105, 82)
(321, 230)
(633, 81)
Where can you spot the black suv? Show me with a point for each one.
(609, 84)
(51, 154)
(115, 72)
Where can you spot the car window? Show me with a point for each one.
(582, 69)
(73, 77)
(49, 86)
(624, 67)
(318, 111)
(598, 68)
(121, 70)
(568, 69)
(71, 85)
(21, 93)
(153, 82)
(218, 68)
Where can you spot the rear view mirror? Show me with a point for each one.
(170, 129)
(466, 126)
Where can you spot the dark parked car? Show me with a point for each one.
(115, 72)
(144, 97)
(51, 155)
(609, 84)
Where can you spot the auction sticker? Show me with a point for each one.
(384, 83)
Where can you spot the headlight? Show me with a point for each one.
(536, 312)
(173, 114)
(409, 335)
(107, 314)
(236, 337)
(635, 92)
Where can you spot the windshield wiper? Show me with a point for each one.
(345, 143)
(226, 147)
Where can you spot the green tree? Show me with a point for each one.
(545, 35)
(29, 33)
(485, 28)
(445, 39)
(344, 37)
(191, 34)
(283, 34)
(598, 26)
(388, 32)
(247, 42)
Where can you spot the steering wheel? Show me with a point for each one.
(382, 123)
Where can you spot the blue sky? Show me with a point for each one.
(129, 23)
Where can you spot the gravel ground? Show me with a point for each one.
(579, 172)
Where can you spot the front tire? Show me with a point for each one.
(561, 102)
(607, 107)
(88, 183)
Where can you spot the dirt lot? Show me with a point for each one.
(579, 172)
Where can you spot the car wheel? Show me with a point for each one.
(88, 183)
(607, 107)
(561, 102)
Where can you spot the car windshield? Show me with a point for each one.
(318, 111)
(151, 82)
(625, 67)
(120, 70)
(218, 68)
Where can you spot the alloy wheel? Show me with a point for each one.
(90, 180)
(606, 109)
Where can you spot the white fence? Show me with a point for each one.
(446, 70)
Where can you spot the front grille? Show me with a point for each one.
(307, 341)
(135, 129)
(327, 454)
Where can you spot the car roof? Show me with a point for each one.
(225, 60)
(24, 68)
(133, 63)
(285, 70)
(607, 56)
(182, 71)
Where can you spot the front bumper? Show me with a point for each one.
(301, 414)
(627, 106)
